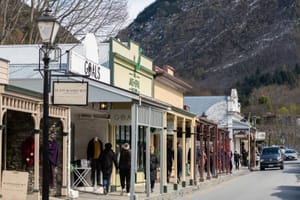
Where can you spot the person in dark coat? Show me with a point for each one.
(170, 157)
(236, 157)
(94, 151)
(179, 162)
(212, 162)
(125, 167)
(153, 167)
(108, 157)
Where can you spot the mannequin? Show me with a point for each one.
(94, 151)
(28, 151)
(53, 157)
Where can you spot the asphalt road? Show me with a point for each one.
(271, 184)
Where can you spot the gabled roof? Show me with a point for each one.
(200, 104)
(240, 125)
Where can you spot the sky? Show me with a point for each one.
(136, 6)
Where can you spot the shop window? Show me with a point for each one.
(179, 132)
(123, 135)
(188, 132)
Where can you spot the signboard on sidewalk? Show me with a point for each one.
(14, 185)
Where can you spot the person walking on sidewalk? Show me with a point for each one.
(153, 167)
(179, 162)
(125, 167)
(236, 157)
(170, 157)
(108, 157)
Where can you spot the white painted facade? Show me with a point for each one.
(223, 110)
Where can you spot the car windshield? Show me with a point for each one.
(270, 151)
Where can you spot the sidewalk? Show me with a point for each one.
(171, 194)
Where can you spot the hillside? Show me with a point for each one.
(217, 44)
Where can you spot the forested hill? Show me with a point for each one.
(219, 44)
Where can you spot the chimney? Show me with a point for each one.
(170, 70)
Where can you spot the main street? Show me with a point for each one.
(271, 184)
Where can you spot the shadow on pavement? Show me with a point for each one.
(288, 192)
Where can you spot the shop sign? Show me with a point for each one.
(83, 66)
(260, 136)
(70, 93)
(127, 64)
(120, 117)
(241, 136)
(14, 185)
(134, 83)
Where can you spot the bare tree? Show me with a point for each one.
(104, 18)
(10, 13)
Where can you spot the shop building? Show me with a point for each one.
(113, 114)
(132, 71)
(127, 103)
(180, 128)
(225, 111)
(21, 136)
(212, 145)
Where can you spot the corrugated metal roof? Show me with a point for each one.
(200, 104)
(240, 125)
(29, 71)
(29, 54)
(26, 63)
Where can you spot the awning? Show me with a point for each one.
(239, 125)
(97, 91)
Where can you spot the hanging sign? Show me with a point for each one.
(70, 93)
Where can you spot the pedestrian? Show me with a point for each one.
(198, 157)
(204, 160)
(153, 167)
(212, 162)
(125, 168)
(236, 157)
(170, 156)
(230, 162)
(179, 162)
(108, 157)
(244, 157)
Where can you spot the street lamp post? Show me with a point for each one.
(48, 28)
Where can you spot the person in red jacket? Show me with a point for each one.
(28, 152)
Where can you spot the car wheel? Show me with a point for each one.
(262, 168)
(281, 167)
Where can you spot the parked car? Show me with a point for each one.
(290, 154)
(271, 157)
